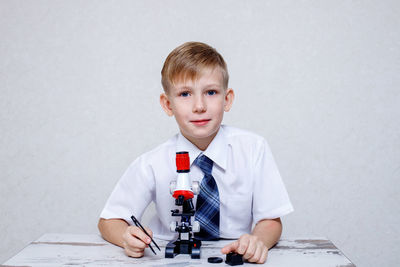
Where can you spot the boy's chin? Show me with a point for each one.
(200, 137)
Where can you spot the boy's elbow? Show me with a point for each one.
(277, 224)
(100, 225)
(270, 225)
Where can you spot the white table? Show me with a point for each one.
(92, 250)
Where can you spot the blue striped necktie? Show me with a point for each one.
(207, 206)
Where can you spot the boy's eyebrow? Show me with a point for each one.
(213, 85)
(183, 87)
(186, 87)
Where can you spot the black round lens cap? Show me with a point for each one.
(215, 260)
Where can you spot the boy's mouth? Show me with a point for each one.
(200, 122)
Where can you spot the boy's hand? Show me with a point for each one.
(135, 241)
(250, 246)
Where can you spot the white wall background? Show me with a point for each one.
(80, 81)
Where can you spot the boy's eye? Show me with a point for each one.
(184, 94)
(211, 92)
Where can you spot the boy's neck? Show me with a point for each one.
(202, 143)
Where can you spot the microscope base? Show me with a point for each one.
(178, 246)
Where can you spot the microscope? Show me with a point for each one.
(183, 191)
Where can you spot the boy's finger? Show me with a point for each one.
(135, 249)
(230, 247)
(249, 251)
(138, 250)
(264, 256)
(148, 230)
(139, 234)
(257, 254)
(134, 254)
(135, 243)
(243, 244)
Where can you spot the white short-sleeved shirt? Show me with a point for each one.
(249, 184)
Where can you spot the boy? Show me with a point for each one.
(247, 185)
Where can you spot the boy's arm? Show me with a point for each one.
(112, 230)
(131, 238)
(268, 231)
(254, 247)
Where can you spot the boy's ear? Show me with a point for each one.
(229, 97)
(166, 104)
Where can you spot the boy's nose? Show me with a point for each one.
(199, 105)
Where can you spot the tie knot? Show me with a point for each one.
(204, 163)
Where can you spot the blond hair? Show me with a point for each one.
(188, 60)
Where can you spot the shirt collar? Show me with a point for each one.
(217, 150)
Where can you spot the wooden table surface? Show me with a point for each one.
(92, 250)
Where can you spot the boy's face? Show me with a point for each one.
(198, 106)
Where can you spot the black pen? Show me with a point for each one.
(137, 223)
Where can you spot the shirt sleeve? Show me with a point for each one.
(270, 198)
(132, 194)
